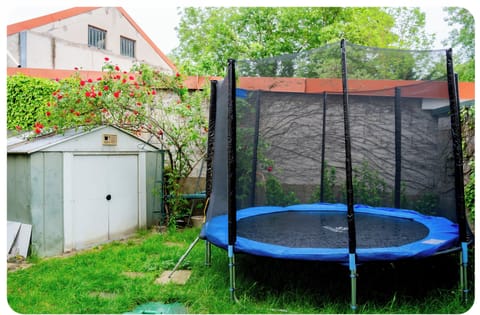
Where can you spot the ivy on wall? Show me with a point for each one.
(26, 99)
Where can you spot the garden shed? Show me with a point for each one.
(83, 188)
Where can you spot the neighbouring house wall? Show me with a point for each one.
(47, 203)
(291, 136)
(63, 44)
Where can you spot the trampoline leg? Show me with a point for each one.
(353, 278)
(183, 257)
(208, 253)
(231, 268)
(463, 271)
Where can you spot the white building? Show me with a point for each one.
(82, 38)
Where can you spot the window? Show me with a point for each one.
(96, 37)
(127, 47)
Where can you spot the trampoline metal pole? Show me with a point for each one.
(231, 268)
(463, 271)
(208, 253)
(353, 279)
(352, 241)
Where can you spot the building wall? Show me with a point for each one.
(64, 44)
(290, 140)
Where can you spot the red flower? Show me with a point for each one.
(106, 59)
(48, 114)
(135, 112)
(87, 94)
(270, 168)
(131, 78)
(99, 79)
(77, 113)
(116, 94)
(82, 83)
(177, 74)
(38, 131)
(154, 92)
(90, 80)
(104, 110)
(132, 94)
(18, 128)
(160, 133)
(76, 68)
(105, 88)
(139, 104)
(117, 68)
(38, 125)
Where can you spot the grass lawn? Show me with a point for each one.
(100, 281)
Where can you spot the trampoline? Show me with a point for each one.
(319, 232)
(370, 172)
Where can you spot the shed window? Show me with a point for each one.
(96, 37)
(127, 47)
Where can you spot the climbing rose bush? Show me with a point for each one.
(144, 101)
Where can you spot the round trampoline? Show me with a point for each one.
(319, 232)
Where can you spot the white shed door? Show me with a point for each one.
(105, 193)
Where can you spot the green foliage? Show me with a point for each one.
(329, 180)
(26, 100)
(462, 38)
(117, 277)
(176, 207)
(368, 187)
(467, 115)
(210, 35)
(427, 203)
(276, 194)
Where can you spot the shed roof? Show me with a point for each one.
(21, 144)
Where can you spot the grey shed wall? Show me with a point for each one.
(35, 191)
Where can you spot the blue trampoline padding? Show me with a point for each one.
(442, 234)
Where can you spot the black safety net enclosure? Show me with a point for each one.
(344, 153)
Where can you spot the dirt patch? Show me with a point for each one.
(178, 277)
(14, 266)
(103, 295)
(133, 274)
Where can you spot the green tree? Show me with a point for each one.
(209, 36)
(462, 39)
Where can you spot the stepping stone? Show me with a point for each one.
(178, 277)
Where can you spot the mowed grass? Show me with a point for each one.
(100, 280)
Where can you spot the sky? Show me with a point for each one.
(159, 21)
